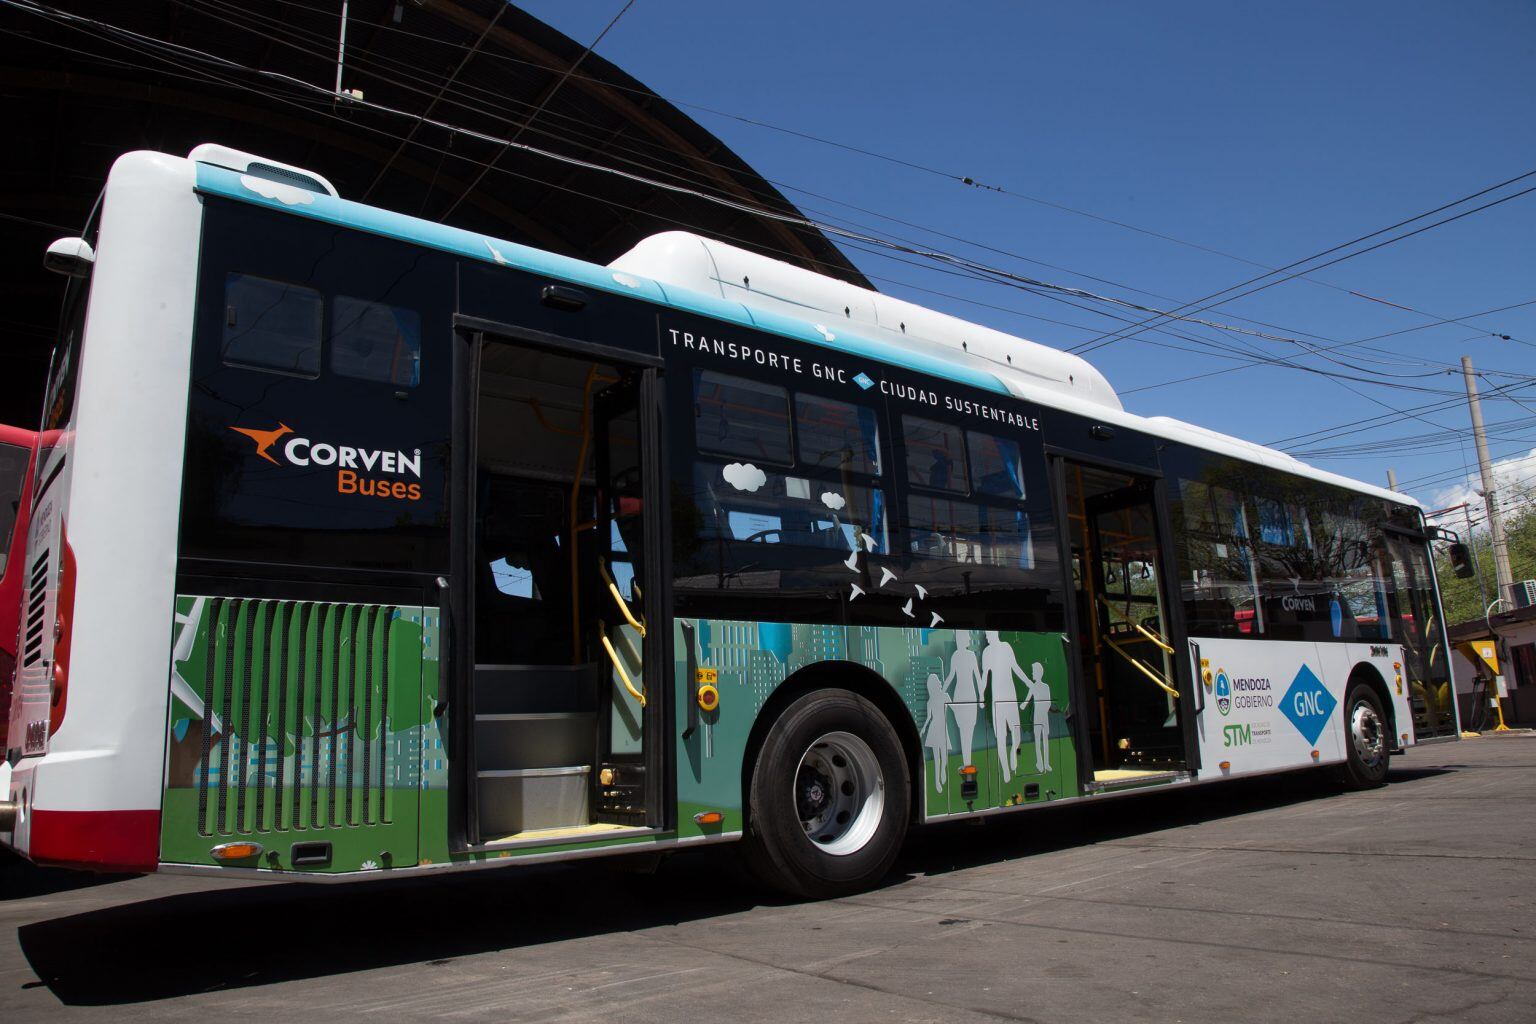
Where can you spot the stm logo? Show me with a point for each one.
(351, 462)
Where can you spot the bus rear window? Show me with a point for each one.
(272, 325)
(373, 341)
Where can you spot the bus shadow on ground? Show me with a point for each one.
(228, 939)
(20, 880)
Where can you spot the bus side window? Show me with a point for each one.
(373, 341)
(271, 325)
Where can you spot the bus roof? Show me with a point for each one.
(694, 274)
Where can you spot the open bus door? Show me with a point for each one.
(565, 632)
(1419, 626)
(1131, 657)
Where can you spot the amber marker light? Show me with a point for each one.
(969, 769)
(236, 851)
(1226, 766)
(1316, 755)
(708, 818)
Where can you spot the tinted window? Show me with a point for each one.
(375, 341)
(995, 466)
(272, 325)
(13, 473)
(837, 435)
(1267, 554)
(759, 515)
(935, 454)
(344, 463)
(735, 416)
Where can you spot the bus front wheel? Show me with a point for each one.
(829, 797)
(1367, 742)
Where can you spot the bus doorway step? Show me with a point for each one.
(1110, 779)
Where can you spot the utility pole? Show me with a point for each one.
(1501, 571)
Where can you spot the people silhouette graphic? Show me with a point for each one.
(1040, 697)
(936, 729)
(999, 666)
(964, 686)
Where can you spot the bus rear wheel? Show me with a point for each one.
(829, 798)
(1367, 742)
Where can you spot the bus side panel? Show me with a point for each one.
(1340, 660)
(93, 790)
(294, 723)
(1269, 705)
(747, 662)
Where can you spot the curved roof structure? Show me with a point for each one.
(171, 74)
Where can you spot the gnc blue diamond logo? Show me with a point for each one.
(863, 380)
(1308, 704)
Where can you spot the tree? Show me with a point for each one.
(1461, 597)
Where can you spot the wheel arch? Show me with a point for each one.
(1365, 672)
(852, 678)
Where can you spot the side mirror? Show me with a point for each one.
(1461, 560)
(72, 257)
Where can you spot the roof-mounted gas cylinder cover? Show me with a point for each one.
(260, 167)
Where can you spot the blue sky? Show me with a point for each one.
(1265, 132)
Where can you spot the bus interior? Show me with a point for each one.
(1126, 656)
(558, 632)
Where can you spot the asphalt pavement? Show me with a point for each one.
(1269, 900)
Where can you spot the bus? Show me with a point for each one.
(362, 545)
(16, 447)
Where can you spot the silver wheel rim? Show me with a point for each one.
(839, 793)
(1366, 734)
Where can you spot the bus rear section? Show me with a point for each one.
(88, 703)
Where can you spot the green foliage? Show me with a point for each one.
(1461, 597)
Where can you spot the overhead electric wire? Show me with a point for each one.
(543, 102)
(1108, 339)
(782, 217)
(275, 27)
(972, 267)
(963, 179)
(569, 72)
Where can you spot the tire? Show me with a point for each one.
(1367, 739)
(829, 799)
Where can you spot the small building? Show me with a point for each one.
(1515, 634)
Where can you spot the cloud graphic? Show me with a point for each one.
(744, 476)
(833, 500)
(288, 195)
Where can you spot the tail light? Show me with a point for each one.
(64, 609)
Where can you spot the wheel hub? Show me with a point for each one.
(1367, 735)
(839, 793)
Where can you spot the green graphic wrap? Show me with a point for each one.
(958, 685)
(295, 722)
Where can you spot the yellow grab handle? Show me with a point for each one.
(1144, 631)
(619, 667)
(1156, 679)
(618, 599)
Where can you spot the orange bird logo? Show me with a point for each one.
(265, 439)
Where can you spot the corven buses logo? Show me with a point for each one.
(354, 466)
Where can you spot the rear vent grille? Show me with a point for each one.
(297, 697)
(286, 176)
(36, 616)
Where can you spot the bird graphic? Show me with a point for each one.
(922, 591)
(886, 575)
(869, 542)
(857, 592)
(937, 618)
(265, 439)
(906, 609)
(852, 561)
